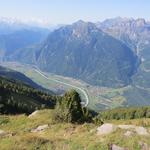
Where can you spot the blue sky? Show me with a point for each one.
(68, 11)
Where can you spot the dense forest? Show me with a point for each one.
(125, 113)
(17, 97)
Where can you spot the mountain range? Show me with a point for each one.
(15, 34)
(84, 53)
(113, 53)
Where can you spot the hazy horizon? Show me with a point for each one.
(67, 12)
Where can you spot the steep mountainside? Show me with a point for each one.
(9, 43)
(136, 35)
(81, 50)
(15, 35)
(26, 55)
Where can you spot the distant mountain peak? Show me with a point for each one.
(41, 23)
(80, 22)
(81, 28)
(140, 22)
(124, 21)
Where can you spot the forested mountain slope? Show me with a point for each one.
(17, 97)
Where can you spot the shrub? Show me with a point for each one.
(69, 109)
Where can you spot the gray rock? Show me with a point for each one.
(106, 128)
(115, 147)
(141, 131)
(126, 126)
(33, 114)
(40, 128)
(144, 146)
(2, 133)
(128, 133)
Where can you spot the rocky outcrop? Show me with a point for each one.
(2, 133)
(128, 133)
(106, 129)
(144, 146)
(40, 128)
(126, 126)
(141, 131)
(115, 147)
(6, 134)
(33, 114)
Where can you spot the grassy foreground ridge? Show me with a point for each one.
(65, 136)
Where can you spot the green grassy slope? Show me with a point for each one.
(64, 135)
